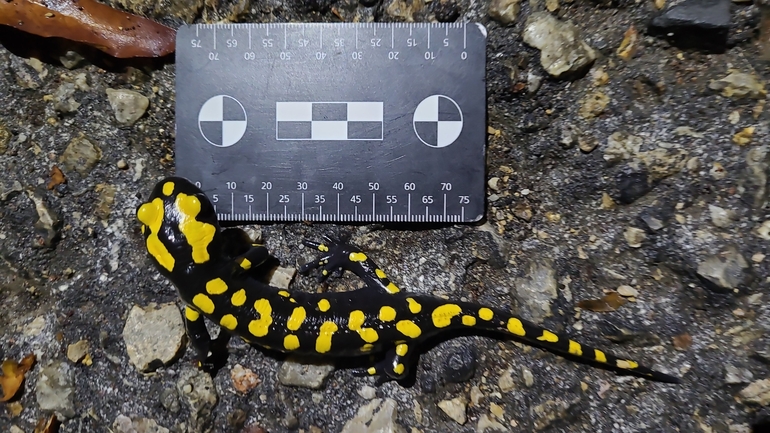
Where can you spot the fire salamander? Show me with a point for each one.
(210, 268)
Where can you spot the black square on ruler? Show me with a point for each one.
(330, 111)
(364, 130)
(294, 130)
(231, 110)
(428, 132)
(212, 131)
(447, 110)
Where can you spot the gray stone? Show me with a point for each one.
(504, 11)
(562, 51)
(294, 373)
(200, 396)
(128, 105)
(48, 223)
(702, 24)
(757, 168)
(153, 336)
(55, 390)
(727, 269)
(124, 424)
(377, 416)
(757, 393)
(536, 290)
(739, 85)
(721, 217)
(81, 155)
(455, 409)
(63, 101)
(734, 375)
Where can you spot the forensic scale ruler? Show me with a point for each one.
(339, 122)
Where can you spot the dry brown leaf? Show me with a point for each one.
(682, 341)
(13, 376)
(57, 177)
(48, 425)
(610, 302)
(119, 34)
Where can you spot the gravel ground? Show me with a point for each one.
(632, 159)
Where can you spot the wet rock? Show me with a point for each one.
(634, 236)
(55, 390)
(632, 186)
(48, 224)
(153, 336)
(726, 270)
(721, 217)
(294, 373)
(562, 52)
(76, 352)
(735, 375)
(757, 393)
(199, 394)
(700, 24)
(460, 364)
(124, 424)
(377, 416)
(652, 222)
(81, 155)
(536, 290)
(104, 202)
(757, 168)
(128, 105)
(63, 100)
(244, 380)
(504, 11)
(455, 409)
(739, 85)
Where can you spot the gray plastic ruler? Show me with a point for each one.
(334, 122)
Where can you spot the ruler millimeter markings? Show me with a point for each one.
(342, 122)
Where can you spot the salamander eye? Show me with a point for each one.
(147, 213)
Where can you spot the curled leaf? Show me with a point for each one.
(119, 34)
(57, 177)
(609, 302)
(48, 425)
(13, 376)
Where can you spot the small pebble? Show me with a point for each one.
(627, 291)
(122, 164)
(455, 409)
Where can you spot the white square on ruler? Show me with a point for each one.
(329, 130)
(365, 111)
(293, 111)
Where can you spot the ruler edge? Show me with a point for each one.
(478, 25)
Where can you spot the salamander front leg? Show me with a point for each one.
(199, 336)
(340, 256)
(255, 256)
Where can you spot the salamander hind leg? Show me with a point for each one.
(338, 256)
(394, 366)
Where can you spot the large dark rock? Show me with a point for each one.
(700, 24)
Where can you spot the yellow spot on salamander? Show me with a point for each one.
(367, 347)
(414, 306)
(408, 328)
(296, 319)
(245, 263)
(290, 342)
(515, 327)
(229, 321)
(203, 303)
(599, 356)
(168, 188)
(152, 214)
(387, 314)
(626, 364)
(486, 314)
(575, 348)
(380, 274)
(399, 368)
(371, 370)
(469, 320)
(323, 248)
(191, 314)
(355, 322)
(442, 316)
(392, 288)
(324, 305)
(216, 286)
(368, 334)
(548, 336)
(284, 293)
(261, 326)
(323, 343)
(198, 234)
(401, 349)
(357, 257)
(238, 298)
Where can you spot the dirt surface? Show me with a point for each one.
(641, 173)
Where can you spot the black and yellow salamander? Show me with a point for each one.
(210, 268)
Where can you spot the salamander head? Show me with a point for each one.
(179, 225)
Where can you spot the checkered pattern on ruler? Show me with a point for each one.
(321, 121)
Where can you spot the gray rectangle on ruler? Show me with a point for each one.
(364, 130)
(330, 111)
(294, 130)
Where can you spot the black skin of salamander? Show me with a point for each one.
(230, 247)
